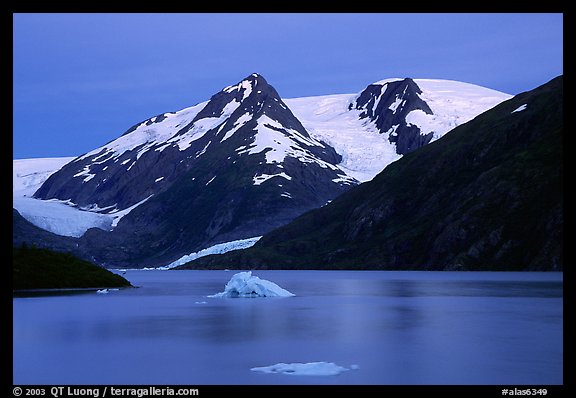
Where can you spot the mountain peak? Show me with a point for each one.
(246, 85)
(387, 103)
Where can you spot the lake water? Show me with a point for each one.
(386, 327)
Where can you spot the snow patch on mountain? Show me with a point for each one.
(278, 142)
(246, 85)
(152, 132)
(259, 179)
(520, 108)
(242, 120)
(86, 172)
(202, 126)
(117, 214)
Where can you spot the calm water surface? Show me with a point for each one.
(394, 327)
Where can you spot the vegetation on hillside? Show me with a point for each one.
(35, 268)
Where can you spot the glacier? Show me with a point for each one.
(57, 216)
(365, 151)
(216, 249)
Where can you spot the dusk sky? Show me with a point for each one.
(81, 80)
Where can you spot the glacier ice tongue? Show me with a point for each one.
(244, 284)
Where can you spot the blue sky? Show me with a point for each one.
(81, 80)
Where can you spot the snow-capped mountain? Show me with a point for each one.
(241, 120)
(246, 161)
(231, 168)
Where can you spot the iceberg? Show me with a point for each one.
(244, 284)
(305, 369)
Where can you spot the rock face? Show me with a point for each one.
(486, 196)
(387, 105)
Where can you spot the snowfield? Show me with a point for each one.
(365, 152)
(29, 174)
(453, 104)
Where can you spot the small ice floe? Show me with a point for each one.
(200, 302)
(305, 369)
(243, 284)
(105, 291)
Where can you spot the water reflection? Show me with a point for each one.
(410, 288)
(400, 328)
